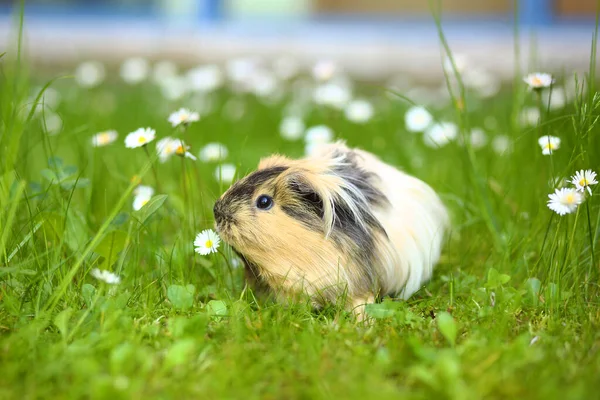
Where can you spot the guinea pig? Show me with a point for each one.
(338, 224)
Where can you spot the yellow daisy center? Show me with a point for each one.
(208, 244)
(570, 199)
(550, 146)
(180, 150)
(584, 182)
(141, 140)
(103, 138)
(144, 202)
(536, 81)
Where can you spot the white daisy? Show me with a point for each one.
(135, 70)
(549, 144)
(105, 276)
(583, 180)
(181, 149)
(139, 138)
(538, 80)
(225, 173)
(359, 111)
(183, 116)
(564, 201)
(291, 128)
(105, 138)
(207, 242)
(90, 74)
(439, 135)
(143, 190)
(213, 152)
(142, 195)
(417, 119)
(165, 148)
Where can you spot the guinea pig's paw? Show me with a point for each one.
(358, 308)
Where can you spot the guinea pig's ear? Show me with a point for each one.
(312, 197)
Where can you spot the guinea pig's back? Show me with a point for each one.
(415, 223)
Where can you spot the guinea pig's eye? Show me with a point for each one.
(264, 202)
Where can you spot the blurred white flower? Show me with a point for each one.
(564, 201)
(139, 138)
(501, 144)
(213, 152)
(291, 128)
(556, 98)
(205, 78)
(324, 70)
(225, 173)
(163, 70)
(184, 117)
(52, 123)
(530, 116)
(483, 82)
(478, 138)
(319, 134)
(264, 84)
(417, 119)
(538, 80)
(135, 70)
(105, 276)
(105, 138)
(315, 137)
(165, 148)
(90, 74)
(142, 195)
(174, 87)
(583, 180)
(549, 144)
(438, 135)
(234, 109)
(50, 98)
(332, 94)
(460, 62)
(241, 69)
(359, 111)
(286, 67)
(207, 242)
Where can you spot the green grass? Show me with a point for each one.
(511, 312)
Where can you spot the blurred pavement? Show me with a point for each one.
(370, 50)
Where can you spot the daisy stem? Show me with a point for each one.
(229, 268)
(589, 221)
(153, 169)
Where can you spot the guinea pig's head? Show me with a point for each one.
(288, 205)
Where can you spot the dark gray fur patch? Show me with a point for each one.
(245, 188)
(346, 226)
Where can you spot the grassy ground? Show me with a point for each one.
(511, 312)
